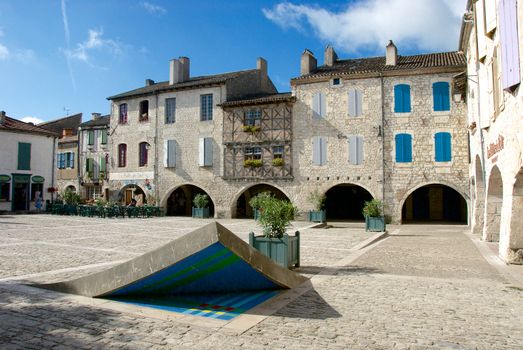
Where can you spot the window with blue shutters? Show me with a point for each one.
(443, 147)
(441, 96)
(403, 148)
(402, 98)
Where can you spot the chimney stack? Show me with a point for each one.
(149, 82)
(308, 62)
(391, 57)
(179, 70)
(330, 57)
(261, 65)
(96, 116)
(2, 117)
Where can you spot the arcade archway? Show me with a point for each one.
(494, 206)
(479, 199)
(434, 203)
(242, 209)
(180, 202)
(129, 192)
(345, 202)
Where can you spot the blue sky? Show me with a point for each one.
(67, 56)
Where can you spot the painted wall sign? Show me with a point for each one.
(5, 178)
(38, 179)
(496, 147)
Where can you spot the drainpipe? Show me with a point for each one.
(155, 168)
(53, 167)
(382, 139)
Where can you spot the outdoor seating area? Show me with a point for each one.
(107, 211)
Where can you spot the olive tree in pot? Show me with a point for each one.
(256, 202)
(275, 216)
(71, 200)
(200, 209)
(318, 200)
(374, 218)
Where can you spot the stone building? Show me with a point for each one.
(26, 164)
(94, 150)
(389, 128)
(167, 137)
(491, 40)
(67, 151)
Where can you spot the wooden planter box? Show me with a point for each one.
(375, 224)
(200, 213)
(285, 251)
(317, 216)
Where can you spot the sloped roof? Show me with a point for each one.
(192, 83)
(69, 122)
(15, 125)
(266, 99)
(454, 60)
(102, 121)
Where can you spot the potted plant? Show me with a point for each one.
(278, 162)
(71, 200)
(200, 209)
(252, 163)
(275, 216)
(318, 201)
(256, 202)
(374, 218)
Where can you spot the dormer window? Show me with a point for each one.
(336, 81)
(144, 111)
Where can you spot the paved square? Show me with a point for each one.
(423, 287)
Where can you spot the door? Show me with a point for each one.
(128, 196)
(21, 192)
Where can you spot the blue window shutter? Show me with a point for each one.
(438, 144)
(408, 147)
(399, 148)
(58, 160)
(398, 99)
(441, 95)
(443, 147)
(403, 148)
(208, 155)
(24, 156)
(406, 98)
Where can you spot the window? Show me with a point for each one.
(318, 105)
(122, 113)
(403, 148)
(93, 192)
(355, 103)
(60, 160)
(104, 136)
(277, 152)
(24, 156)
(206, 107)
(103, 165)
(169, 151)
(65, 160)
(170, 110)
(253, 153)
(319, 150)
(89, 167)
(144, 111)
(205, 148)
(443, 148)
(252, 118)
(122, 155)
(5, 189)
(441, 96)
(90, 137)
(336, 81)
(37, 187)
(143, 149)
(508, 40)
(355, 149)
(402, 98)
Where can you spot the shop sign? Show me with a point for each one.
(38, 179)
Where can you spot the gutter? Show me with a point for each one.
(55, 140)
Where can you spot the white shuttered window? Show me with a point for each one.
(355, 103)
(205, 154)
(319, 106)
(355, 149)
(169, 151)
(319, 150)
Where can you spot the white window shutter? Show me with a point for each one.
(353, 154)
(484, 101)
(490, 15)
(316, 105)
(359, 109)
(359, 154)
(323, 150)
(352, 103)
(208, 151)
(166, 153)
(169, 151)
(316, 151)
(201, 152)
(323, 105)
(480, 29)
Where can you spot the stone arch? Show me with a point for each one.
(131, 191)
(493, 206)
(478, 188)
(179, 201)
(345, 201)
(71, 188)
(240, 207)
(515, 237)
(434, 202)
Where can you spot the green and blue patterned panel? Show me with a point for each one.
(214, 269)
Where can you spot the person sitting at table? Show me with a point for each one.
(133, 203)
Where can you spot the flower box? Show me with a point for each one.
(284, 251)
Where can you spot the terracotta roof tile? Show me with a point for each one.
(275, 98)
(15, 125)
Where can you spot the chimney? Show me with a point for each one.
(261, 65)
(330, 57)
(96, 116)
(391, 58)
(179, 70)
(308, 62)
(149, 82)
(2, 117)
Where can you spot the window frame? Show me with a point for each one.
(402, 156)
(399, 105)
(441, 96)
(252, 117)
(206, 107)
(143, 153)
(123, 110)
(170, 119)
(143, 111)
(443, 147)
(122, 155)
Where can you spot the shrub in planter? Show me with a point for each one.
(251, 128)
(252, 163)
(200, 209)
(318, 201)
(374, 219)
(278, 162)
(256, 202)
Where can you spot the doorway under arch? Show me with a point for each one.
(130, 192)
(345, 202)
(516, 223)
(243, 209)
(180, 202)
(494, 205)
(435, 203)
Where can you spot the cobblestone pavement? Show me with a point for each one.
(424, 287)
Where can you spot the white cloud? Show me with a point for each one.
(33, 120)
(153, 9)
(4, 52)
(25, 55)
(94, 43)
(367, 25)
